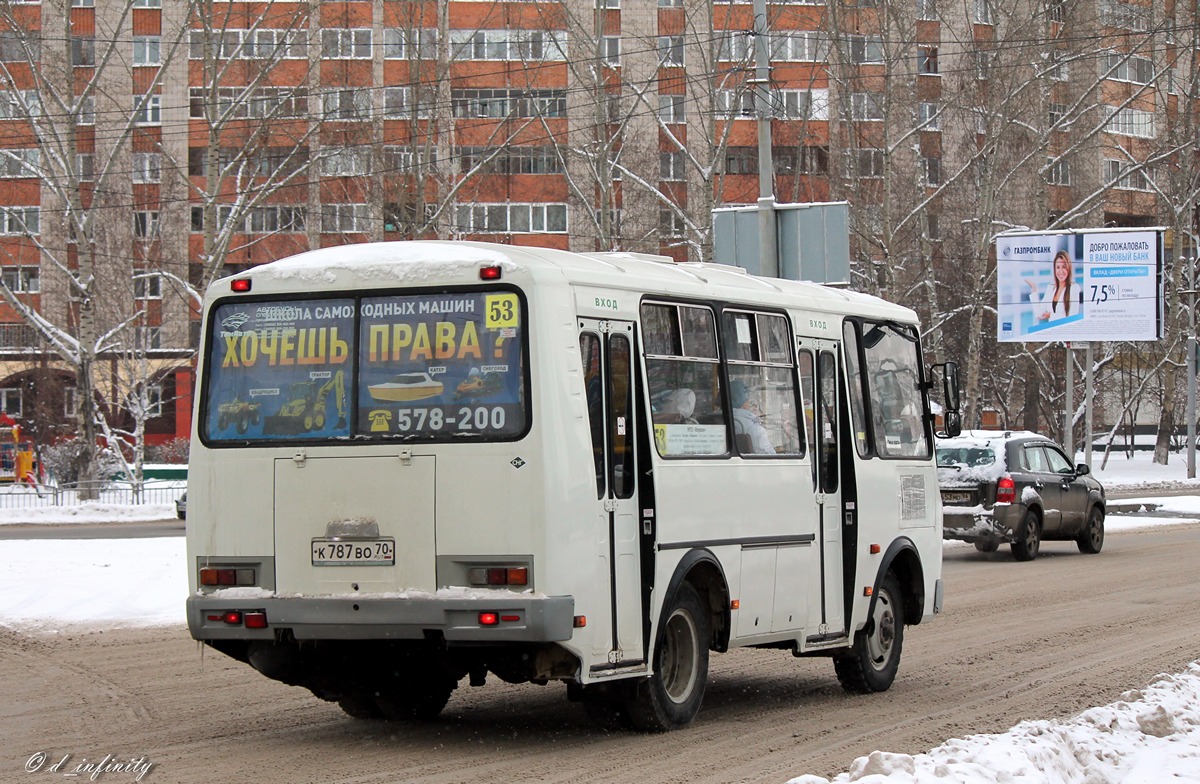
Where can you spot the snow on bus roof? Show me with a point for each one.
(394, 261)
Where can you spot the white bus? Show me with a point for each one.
(419, 462)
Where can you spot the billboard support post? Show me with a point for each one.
(1089, 395)
(1068, 415)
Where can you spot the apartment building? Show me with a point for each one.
(151, 145)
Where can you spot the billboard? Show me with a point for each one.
(1088, 285)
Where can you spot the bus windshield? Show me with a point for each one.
(408, 366)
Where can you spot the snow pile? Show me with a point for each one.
(1149, 735)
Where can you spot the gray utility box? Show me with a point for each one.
(813, 240)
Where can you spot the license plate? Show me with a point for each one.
(353, 552)
(956, 498)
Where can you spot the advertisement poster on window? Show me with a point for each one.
(1084, 286)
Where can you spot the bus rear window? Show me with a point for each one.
(413, 367)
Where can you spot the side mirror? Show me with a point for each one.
(951, 424)
(1082, 469)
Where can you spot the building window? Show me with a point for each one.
(397, 103)
(1058, 113)
(83, 51)
(800, 104)
(147, 167)
(670, 165)
(147, 338)
(865, 107)
(22, 280)
(928, 116)
(927, 9)
(931, 171)
(145, 224)
(1058, 171)
(19, 47)
(868, 163)
(508, 45)
(86, 111)
(399, 44)
(671, 223)
(147, 3)
(933, 227)
(671, 108)
(806, 46)
(147, 50)
(19, 104)
(500, 104)
(10, 401)
(343, 44)
(1056, 10)
(350, 104)
(670, 50)
(1130, 122)
(147, 285)
(20, 221)
(286, 219)
(153, 401)
(1127, 68)
(1125, 176)
(985, 60)
(610, 50)
(85, 166)
(927, 60)
(866, 49)
(511, 218)
(741, 160)
(345, 161)
(345, 219)
(19, 163)
(150, 112)
(983, 12)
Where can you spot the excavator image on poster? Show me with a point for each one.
(304, 409)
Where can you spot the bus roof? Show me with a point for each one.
(432, 262)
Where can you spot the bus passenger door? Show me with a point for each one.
(820, 382)
(607, 352)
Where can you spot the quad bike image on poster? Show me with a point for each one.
(280, 370)
(428, 366)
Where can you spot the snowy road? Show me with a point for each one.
(1017, 641)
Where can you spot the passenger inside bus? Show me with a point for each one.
(678, 409)
(748, 430)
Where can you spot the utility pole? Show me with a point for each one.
(767, 238)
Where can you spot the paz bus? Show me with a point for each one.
(463, 458)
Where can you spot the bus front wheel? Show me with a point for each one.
(872, 662)
(671, 697)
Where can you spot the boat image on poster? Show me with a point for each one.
(407, 387)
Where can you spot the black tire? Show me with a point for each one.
(1091, 540)
(360, 706)
(671, 697)
(418, 699)
(222, 421)
(873, 661)
(1029, 538)
(243, 423)
(988, 546)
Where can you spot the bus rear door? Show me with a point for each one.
(607, 349)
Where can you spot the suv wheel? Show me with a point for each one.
(1029, 538)
(1092, 538)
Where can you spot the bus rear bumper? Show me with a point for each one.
(504, 619)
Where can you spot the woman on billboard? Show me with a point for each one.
(1057, 297)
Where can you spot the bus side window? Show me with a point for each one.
(808, 383)
(762, 384)
(683, 377)
(589, 349)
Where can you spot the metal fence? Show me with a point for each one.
(108, 493)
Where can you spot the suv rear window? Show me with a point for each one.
(965, 456)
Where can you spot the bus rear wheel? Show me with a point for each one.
(872, 662)
(416, 699)
(671, 697)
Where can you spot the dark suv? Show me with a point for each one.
(1017, 488)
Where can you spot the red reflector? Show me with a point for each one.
(489, 273)
(498, 576)
(518, 576)
(216, 617)
(233, 618)
(256, 620)
(488, 619)
(240, 284)
(510, 618)
(875, 549)
(580, 621)
(868, 591)
(208, 576)
(1006, 490)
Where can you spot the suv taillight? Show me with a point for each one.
(1006, 490)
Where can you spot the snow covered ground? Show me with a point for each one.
(1151, 735)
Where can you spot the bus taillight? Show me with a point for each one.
(498, 575)
(489, 273)
(226, 577)
(488, 619)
